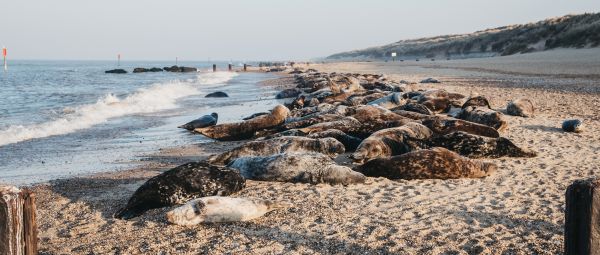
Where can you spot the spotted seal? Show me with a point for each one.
(306, 168)
(435, 163)
(391, 141)
(180, 184)
(285, 144)
(521, 107)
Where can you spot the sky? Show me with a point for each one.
(247, 29)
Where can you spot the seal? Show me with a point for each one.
(221, 209)
(246, 129)
(484, 116)
(392, 100)
(346, 125)
(439, 100)
(521, 107)
(309, 120)
(390, 141)
(360, 99)
(477, 101)
(204, 121)
(414, 107)
(474, 146)
(285, 144)
(298, 103)
(573, 126)
(180, 184)
(305, 168)
(350, 142)
(442, 126)
(435, 163)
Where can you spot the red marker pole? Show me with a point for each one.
(4, 57)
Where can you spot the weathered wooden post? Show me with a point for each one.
(229, 67)
(214, 67)
(18, 229)
(245, 68)
(582, 218)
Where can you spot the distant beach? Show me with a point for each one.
(518, 210)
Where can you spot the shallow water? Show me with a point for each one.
(65, 118)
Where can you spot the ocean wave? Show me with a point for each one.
(157, 97)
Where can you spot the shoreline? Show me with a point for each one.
(518, 210)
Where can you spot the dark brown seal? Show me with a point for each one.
(436, 163)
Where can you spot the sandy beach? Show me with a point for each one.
(517, 210)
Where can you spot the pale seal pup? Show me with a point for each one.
(305, 168)
(391, 141)
(221, 209)
(328, 146)
(484, 116)
(204, 121)
(521, 107)
(246, 129)
(435, 163)
(180, 184)
(573, 126)
(475, 146)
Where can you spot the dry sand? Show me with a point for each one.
(518, 210)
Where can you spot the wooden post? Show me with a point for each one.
(18, 229)
(229, 67)
(245, 68)
(582, 215)
(214, 67)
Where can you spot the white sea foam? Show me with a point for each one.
(154, 98)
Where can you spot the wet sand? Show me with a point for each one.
(518, 210)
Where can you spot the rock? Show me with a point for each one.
(116, 71)
(180, 69)
(155, 69)
(140, 70)
(287, 93)
(430, 80)
(217, 94)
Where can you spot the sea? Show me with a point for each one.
(60, 119)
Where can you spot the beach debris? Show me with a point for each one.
(430, 80)
(180, 184)
(204, 121)
(216, 209)
(217, 94)
(285, 144)
(290, 167)
(573, 125)
(521, 107)
(117, 71)
(435, 163)
(245, 129)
